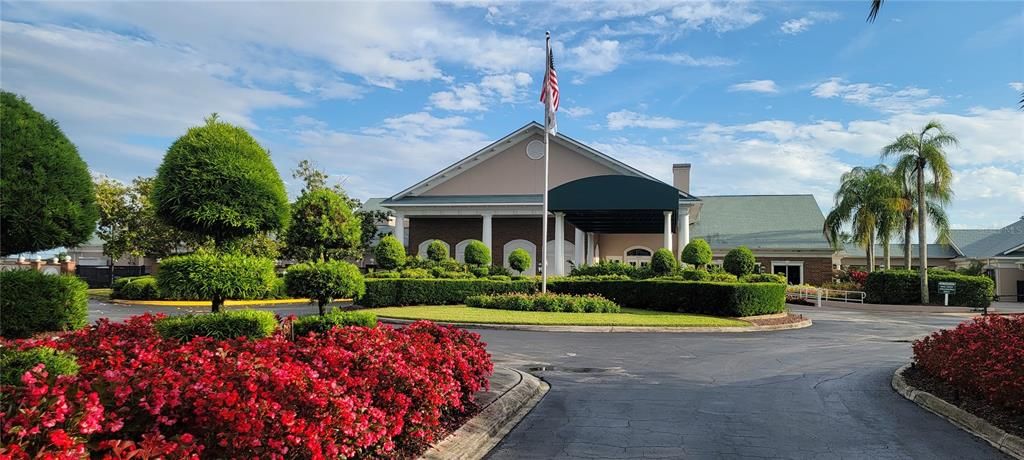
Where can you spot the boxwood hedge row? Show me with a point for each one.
(900, 287)
(391, 292)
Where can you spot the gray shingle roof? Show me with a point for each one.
(989, 242)
(373, 204)
(761, 222)
(935, 251)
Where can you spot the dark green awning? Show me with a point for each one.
(615, 203)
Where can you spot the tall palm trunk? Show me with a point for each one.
(908, 227)
(871, 253)
(922, 237)
(885, 254)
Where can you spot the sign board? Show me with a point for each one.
(947, 287)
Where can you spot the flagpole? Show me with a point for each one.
(544, 211)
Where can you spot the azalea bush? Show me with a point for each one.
(349, 392)
(983, 357)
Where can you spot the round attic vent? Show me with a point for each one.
(535, 150)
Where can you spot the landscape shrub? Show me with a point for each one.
(253, 324)
(384, 274)
(335, 318)
(983, 357)
(437, 251)
(841, 285)
(763, 278)
(33, 302)
(415, 273)
(739, 261)
(324, 281)
(901, 287)
(480, 272)
(139, 288)
(498, 270)
(477, 253)
(279, 290)
(519, 260)
(389, 253)
(393, 292)
(600, 277)
(215, 277)
(697, 252)
(351, 392)
(722, 277)
(548, 302)
(453, 274)
(117, 284)
(500, 277)
(606, 268)
(693, 274)
(15, 362)
(663, 262)
(712, 298)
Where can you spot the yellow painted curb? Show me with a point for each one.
(206, 303)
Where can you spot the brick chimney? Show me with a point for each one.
(681, 176)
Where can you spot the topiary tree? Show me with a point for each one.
(322, 227)
(477, 253)
(437, 251)
(663, 262)
(46, 193)
(324, 281)
(519, 260)
(697, 253)
(215, 277)
(389, 253)
(740, 261)
(217, 181)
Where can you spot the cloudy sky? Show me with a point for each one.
(762, 97)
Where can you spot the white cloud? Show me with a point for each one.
(801, 24)
(465, 98)
(594, 57)
(988, 197)
(508, 86)
(471, 97)
(576, 112)
(756, 86)
(885, 98)
(628, 119)
(1017, 85)
(717, 16)
(687, 60)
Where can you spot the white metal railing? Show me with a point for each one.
(816, 295)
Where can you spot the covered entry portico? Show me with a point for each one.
(628, 210)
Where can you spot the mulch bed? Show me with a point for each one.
(1012, 422)
(788, 319)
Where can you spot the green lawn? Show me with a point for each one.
(100, 292)
(628, 317)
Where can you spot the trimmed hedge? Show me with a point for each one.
(545, 302)
(335, 318)
(901, 287)
(324, 281)
(763, 278)
(253, 324)
(138, 288)
(33, 302)
(719, 299)
(216, 277)
(390, 292)
(14, 363)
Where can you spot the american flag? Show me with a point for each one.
(549, 90)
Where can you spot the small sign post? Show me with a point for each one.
(947, 288)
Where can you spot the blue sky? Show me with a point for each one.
(762, 97)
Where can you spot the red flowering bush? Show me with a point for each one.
(984, 357)
(351, 392)
(858, 277)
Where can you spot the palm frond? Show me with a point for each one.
(940, 220)
(906, 143)
(875, 6)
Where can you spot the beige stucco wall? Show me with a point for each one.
(1006, 283)
(615, 244)
(511, 172)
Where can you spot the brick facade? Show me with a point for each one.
(503, 230)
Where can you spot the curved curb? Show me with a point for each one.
(541, 328)
(1010, 444)
(484, 431)
(206, 303)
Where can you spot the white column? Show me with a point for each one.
(683, 229)
(667, 241)
(559, 268)
(579, 246)
(486, 237)
(400, 227)
(590, 248)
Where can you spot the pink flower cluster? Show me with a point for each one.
(353, 392)
(984, 357)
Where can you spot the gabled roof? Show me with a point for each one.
(761, 222)
(935, 251)
(504, 143)
(373, 204)
(982, 243)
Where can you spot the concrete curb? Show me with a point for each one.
(206, 303)
(540, 328)
(1010, 444)
(481, 433)
(895, 308)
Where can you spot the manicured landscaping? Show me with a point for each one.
(901, 287)
(628, 317)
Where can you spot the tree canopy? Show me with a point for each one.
(323, 227)
(128, 223)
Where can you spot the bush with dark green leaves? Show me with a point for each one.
(324, 281)
(46, 191)
(388, 274)
(663, 262)
(415, 273)
(712, 298)
(607, 268)
(697, 252)
(335, 318)
(740, 261)
(323, 227)
(901, 287)
(389, 253)
(215, 277)
(253, 324)
(217, 181)
(33, 302)
(437, 251)
(555, 303)
(498, 270)
(763, 278)
(722, 277)
(394, 292)
(480, 271)
(138, 288)
(519, 260)
(477, 253)
(14, 363)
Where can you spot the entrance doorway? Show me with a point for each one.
(793, 271)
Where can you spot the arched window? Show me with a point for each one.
(460, 250)
(525, 245)
(637, 256)
(638, 252)
(422, 251)
(569, 250)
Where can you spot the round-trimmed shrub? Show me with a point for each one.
(389, 253)
(740, 261)
(215, 277)
(14, 363)
(763, 278)
(34, 302)
(335, 318)
(697, 252)
(325, 281)
(437, 251)
(217, 181)
(663, 262)
(480, 272)
(477, 253)
(322, 227)
(415, 273)
(140, 288)
(692, 274)
(253, 324)
(519, 260)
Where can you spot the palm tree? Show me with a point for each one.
(936, 199)
(866, 201)
(916, 153)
